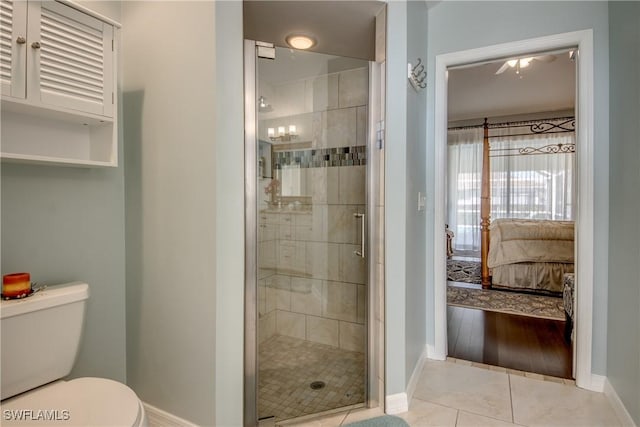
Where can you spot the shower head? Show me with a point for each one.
(263, 106)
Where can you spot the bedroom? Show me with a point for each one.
(510, 211)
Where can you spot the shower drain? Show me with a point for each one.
(317, 385)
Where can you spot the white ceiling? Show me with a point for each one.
(342, 28)
(477, 92)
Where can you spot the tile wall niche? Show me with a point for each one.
(311, 285)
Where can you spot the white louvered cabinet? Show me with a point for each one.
(13, 39)
(58, 63)
(72, 67)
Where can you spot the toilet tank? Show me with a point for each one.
(40, 336)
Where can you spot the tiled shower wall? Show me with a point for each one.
(312, 286)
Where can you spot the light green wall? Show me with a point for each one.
(623, 334)
(396, 199)
(170, 141)
(416, 300)
(229, 216)
(461, 25)
(109, 8)
(64, 224)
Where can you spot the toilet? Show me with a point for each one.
(40, 340)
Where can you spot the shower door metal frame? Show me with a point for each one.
(251, 238)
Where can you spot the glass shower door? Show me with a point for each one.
(310, 205)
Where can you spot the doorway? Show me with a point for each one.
(583, 40)
(511, 152)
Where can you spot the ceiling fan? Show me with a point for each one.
(524, 62)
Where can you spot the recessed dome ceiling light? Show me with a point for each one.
(300, 42)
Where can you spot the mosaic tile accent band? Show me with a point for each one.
(322, 157)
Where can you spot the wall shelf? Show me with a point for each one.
(53, 161)
(32, 134)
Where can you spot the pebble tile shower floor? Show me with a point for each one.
(288, 366)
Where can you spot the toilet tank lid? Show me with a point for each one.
(51, 296)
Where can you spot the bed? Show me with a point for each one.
(531, 255)
(524, 254)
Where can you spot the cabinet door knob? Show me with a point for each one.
(21, 40)
(35, 45)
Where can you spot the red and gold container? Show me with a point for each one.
(16, 285)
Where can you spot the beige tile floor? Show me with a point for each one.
(454, 394)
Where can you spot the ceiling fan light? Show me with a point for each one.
(524, 62)
(512, 63)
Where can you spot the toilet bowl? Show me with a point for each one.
(40, 339)
(78, 402)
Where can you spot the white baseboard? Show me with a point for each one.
(399, 403)
(158, 418)
(618, 406)
(396, 403)
(415, 375)
(597, 383)
(435, 355)
(591, 382)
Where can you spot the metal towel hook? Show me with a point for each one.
(417, 75)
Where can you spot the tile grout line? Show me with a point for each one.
(346, 414)
(462, 410)
(511, 399)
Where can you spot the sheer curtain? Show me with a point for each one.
(463, 188)
(536, 186)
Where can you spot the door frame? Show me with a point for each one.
(250, 389)
(584, 242)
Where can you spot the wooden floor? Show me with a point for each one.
(518, 342)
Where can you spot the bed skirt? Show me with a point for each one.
(541, 277)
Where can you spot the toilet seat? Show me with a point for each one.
(78, 402)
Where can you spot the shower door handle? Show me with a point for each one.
(360, 216)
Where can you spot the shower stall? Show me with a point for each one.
(313, 277)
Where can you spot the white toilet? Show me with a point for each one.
(40, 339)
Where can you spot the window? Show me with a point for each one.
(538, 185)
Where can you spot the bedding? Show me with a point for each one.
(531, 255)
